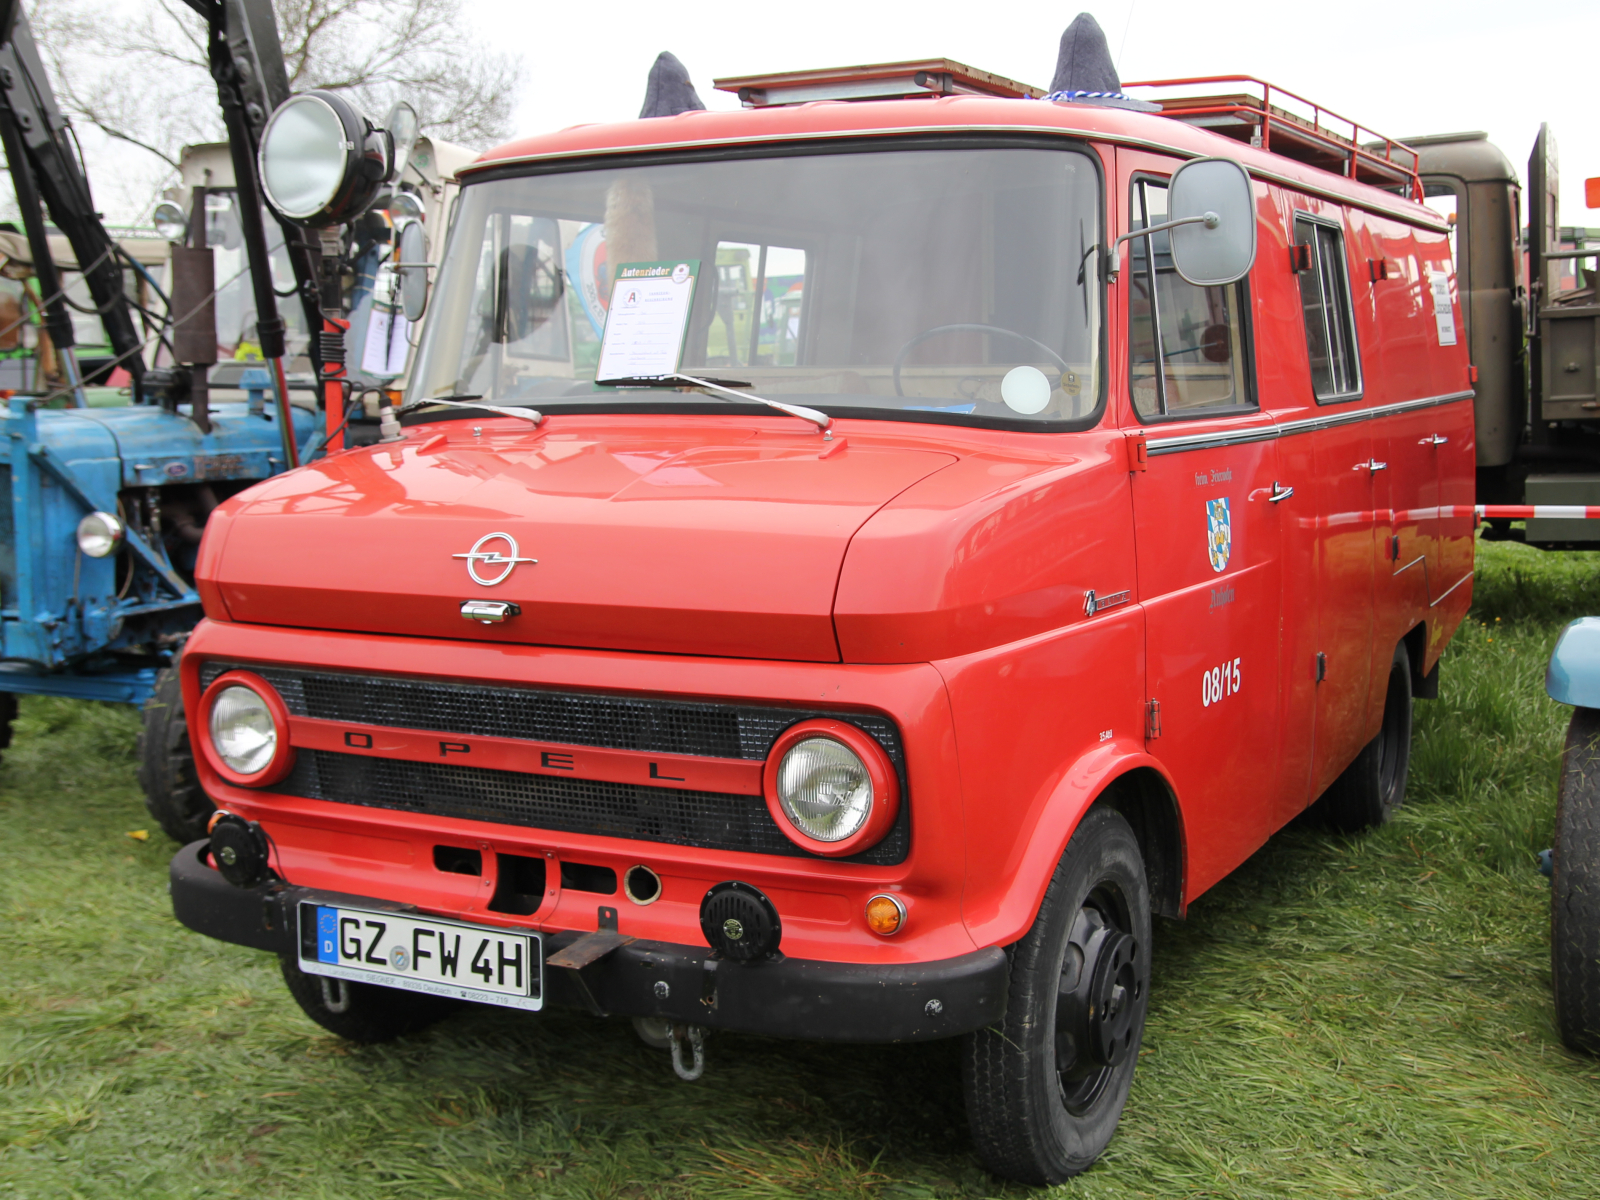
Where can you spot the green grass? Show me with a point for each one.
(1343, 1017)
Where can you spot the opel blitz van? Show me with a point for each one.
(871, 655)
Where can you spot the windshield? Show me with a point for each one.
(880, 283)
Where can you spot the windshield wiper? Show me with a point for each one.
(820, 419)
(527, 414)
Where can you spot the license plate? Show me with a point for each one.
(423, 954)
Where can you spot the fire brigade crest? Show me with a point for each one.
(1219, 533)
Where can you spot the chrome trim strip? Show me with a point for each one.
(1448, 590)
(1267, 433)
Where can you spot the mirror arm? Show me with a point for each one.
(1209, 219)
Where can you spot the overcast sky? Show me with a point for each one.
(1400, 67)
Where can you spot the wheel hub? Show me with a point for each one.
(1098, 1002)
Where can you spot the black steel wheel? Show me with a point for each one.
(1575, 887)
(1369, 790)
(1045, 1086)
(362, 1012)
(166, 765)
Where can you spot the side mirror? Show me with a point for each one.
(413, 271)
(1212, 207)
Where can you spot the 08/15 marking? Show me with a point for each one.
(1218, 683)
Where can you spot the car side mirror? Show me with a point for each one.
(1212, 206)
(1212, 225)
(412, 267)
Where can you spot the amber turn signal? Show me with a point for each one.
(885, 915)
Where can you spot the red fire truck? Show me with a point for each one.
(1104, 503)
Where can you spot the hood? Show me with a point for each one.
(717, 538)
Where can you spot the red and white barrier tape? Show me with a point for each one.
(1525, 512)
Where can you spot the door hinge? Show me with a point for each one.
(1322, 666)
(1152, 719)
(1138, 452)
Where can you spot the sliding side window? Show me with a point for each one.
(1330, 317)
(1188, 342)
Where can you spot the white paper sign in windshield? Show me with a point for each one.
(647, 320)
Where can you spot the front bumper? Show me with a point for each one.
(798, 998)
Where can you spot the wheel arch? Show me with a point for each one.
(1121, 775)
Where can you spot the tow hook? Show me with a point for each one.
(694, 1036)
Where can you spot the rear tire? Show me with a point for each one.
(362, 1012)
(166, 765)
(1046, 1084)
(1575, 887)
(1374, 785)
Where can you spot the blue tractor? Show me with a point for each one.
(102, 506)
(1574, 678)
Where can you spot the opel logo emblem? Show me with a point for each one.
(485, 553)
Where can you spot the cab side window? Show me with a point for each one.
(1188, 343)
(1330, 317)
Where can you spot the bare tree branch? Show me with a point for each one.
(145, 82)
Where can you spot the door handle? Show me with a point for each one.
(1433, 440)
(1372, 465)
(1279, 492)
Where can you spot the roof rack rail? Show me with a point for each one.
(1351, 150)
(926, 78)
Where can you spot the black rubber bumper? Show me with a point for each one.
(798, 998)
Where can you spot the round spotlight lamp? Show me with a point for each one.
(322, 160)
(405, 206)
(170, 222)
(831, 787)
(101, 535)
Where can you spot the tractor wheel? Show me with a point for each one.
(8, 714)
(362, 1012)
(1374, 785)
(1046, 1083)
(1575, 887)
(166, 765)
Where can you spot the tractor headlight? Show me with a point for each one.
(247, 729)
(100, 535)
(170, 222)
(322, 161)
(831, 787)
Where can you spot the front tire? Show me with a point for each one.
(166, 765)
(362, 1012)
(1575, 887)
(1374, 785)
(1045, 1086)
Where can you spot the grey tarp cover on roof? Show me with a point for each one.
(669, 91)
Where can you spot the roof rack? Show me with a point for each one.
(1351, 150)
(926, 78)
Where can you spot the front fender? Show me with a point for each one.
(1004, 914)
(1574, 674)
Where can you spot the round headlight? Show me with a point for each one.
(824, 789)
(322, 161)
(831, 787)
(100, 534)
(247, 730)
(170, 222)
(242, 730)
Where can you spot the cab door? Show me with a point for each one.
(1207, 538)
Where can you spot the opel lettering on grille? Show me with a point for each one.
(485, 553)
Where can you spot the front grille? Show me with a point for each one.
(712, 820)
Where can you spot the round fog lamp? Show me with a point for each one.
(242, 730)
(100, 534)
(322, 161)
